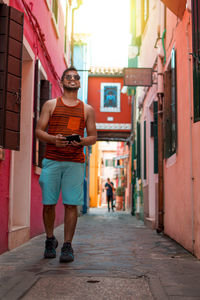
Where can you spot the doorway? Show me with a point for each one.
(21, 161)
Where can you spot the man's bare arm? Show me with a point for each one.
(90, 127)
(42, 124)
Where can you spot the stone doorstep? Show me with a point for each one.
(150, 223)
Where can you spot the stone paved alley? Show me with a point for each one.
(116, 257)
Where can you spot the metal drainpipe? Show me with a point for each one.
(191, 147)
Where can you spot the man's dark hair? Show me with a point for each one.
(71, 68)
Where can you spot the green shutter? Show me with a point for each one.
(196, 58)
(167, 114)
(173, 102)
(170, 106)
(138, 152)
(155, 129)
(145, 152)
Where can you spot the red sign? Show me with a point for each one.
(138, 76)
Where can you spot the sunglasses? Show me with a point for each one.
(69, 77)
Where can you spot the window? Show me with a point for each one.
(66, 27)
(42, 93)
(170, 119)
(109, 163)
(55, 10)
(68, 24)
(155, 135)
(48, 4)
(196, 58)
(138, 152)
(145, 13)
(110, 97)
(55, 16)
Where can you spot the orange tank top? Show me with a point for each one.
(66, 120)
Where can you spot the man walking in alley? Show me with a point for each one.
(62, 166)
(109, 194)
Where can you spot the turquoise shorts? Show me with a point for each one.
(62, 176)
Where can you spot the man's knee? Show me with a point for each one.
(48, 208)
(70, 207)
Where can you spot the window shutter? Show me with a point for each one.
(11, 43)
(196, 58)
(155, 129)
(138, 152)
(151, 129)
(167, 114)
(173, 104)
(45, 94)
(36, 108)
(145, 152)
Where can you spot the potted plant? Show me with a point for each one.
(120, 192)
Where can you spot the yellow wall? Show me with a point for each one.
(93, 186)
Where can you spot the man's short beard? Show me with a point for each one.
(71, 88)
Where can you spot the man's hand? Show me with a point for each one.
(60, 141)
(76, 144)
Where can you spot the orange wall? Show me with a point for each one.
(93, 187)
(94, 99)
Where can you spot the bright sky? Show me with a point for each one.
(108, 23)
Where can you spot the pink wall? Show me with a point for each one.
(94, 87)
(55, 48)
(54, 45)
(177, 179)
(4, 201)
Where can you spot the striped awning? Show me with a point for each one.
(176, 6)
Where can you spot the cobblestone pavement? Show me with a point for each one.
(116, 257)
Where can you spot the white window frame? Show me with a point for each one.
(67, 34)
(48, 4)
(55, 24)
(110, 109)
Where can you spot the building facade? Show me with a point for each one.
(113, 121)
(34, 53)
(168, 118)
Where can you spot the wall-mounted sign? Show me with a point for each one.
(138, 76)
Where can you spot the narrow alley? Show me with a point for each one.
(100, 111)
(116, 257)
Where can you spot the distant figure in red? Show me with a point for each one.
(109, 186)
